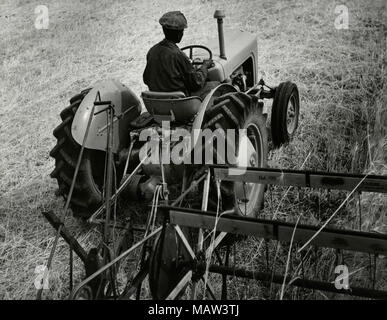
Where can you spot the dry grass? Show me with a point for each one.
(340, 74)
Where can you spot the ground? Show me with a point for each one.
(341, 75)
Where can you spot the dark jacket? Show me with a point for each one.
(169, 69)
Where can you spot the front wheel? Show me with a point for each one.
(285, 112)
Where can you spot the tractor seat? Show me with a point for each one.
(171, 106)
(163, 95)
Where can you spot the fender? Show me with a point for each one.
(127, 107)
(198, 122)
(216, 92)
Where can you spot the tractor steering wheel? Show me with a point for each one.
(191, 47)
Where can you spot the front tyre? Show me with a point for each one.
(285, 112)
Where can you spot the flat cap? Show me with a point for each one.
(173, 20)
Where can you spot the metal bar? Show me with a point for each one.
(211, 291)
(56, 223)
(206, 191)
(71, 267)
(127, 159)
(116, 194)
(114, 261)
(180, 286)
(109, 178)
(217, 241)
(160, 251)
(115, 119)
(282, 231)
(185, 242)
(224, 277)
(66, 207)
(193, 184)
(304, 283)
(137, 280)
(302, 178)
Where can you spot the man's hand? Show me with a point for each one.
(208, 63)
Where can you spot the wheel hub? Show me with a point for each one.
(247, 157)
(291, 116)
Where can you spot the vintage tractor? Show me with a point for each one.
(237, 103)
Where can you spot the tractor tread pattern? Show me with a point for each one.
(228, 116)
(278, 117)
(85, 198)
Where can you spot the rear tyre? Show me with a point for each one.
(240, 111)
(87, 195)
(285, 112)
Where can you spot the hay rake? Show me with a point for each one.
(174, 255)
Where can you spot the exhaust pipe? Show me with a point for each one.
(219, 15)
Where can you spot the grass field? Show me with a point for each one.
(341, 76)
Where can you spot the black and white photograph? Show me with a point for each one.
(208, 151)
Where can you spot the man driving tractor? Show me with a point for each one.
(169, 69)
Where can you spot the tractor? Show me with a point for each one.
(111, 140)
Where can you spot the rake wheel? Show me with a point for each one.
(168, 264)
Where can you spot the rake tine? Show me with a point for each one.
(370, 266)
(71, 268)
(315, 265)
(343, 257)
(303, 255)
(206, 190)
(337, 253)
(224, 276)
(296, 246)
(267, 254)
(272, 268)
(302, 264)
(374, 273)
(298, 201)
(271, 199)
(319, 204)
(359, 211)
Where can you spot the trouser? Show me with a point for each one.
(208, 86)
